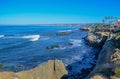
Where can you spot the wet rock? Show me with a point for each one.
(47, 34)
(64, 33)
(64, 77)
(69, 67)
(1, 65)
(117, 43)
(70, 44)
(52, 47)
(84, 29)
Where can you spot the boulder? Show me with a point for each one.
(84, 29)
(98, 76)
(63, 33)
(53, 47)
(47, 34)
(1, 65)
(52, 69)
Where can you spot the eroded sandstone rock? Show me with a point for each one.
(52, 69)
(96, 40)
(98, 76)
(116, 56)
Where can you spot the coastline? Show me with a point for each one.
(109, 57)
(107, 60)
(84, 71)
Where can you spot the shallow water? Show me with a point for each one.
(25, 47)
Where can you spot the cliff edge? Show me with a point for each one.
(108, 64)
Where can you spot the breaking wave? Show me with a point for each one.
(1, 36)
(75, 42)
(65, 31)
(32, 37)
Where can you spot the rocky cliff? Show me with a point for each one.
(108, 64)
(52, 69)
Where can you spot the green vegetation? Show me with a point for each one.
(117, 37)
(117, 71)
(110, 20)
(107, 23)
(96, 27)
(91, 28)
(99, 26)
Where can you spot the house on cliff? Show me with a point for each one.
(118, 20)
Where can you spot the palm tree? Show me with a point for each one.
(103, 21)
(110, 21)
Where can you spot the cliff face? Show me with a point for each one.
(53, 69)
(108, 61)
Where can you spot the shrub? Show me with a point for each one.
(98, 26)
(91, 28)
(117, 71)
(117, 37)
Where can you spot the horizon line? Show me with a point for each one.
(52, 24)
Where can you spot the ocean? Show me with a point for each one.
(26, 47)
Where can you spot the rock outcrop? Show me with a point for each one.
(84, 29)
(96, 39)
(108, 61)
(63, 33)
(52, 69)
(53, 47)
(98, 76)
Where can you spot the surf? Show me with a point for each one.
(1, 36)
(32, 37)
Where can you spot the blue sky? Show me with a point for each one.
(56, 11)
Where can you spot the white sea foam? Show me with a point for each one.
(1, 36)
(78, 63)
(32, 37)
(75, 42)
(65, 31)
(72, 60)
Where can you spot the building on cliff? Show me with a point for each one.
(118, 20)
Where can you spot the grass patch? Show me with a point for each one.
(117, 37)
(117, 71)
